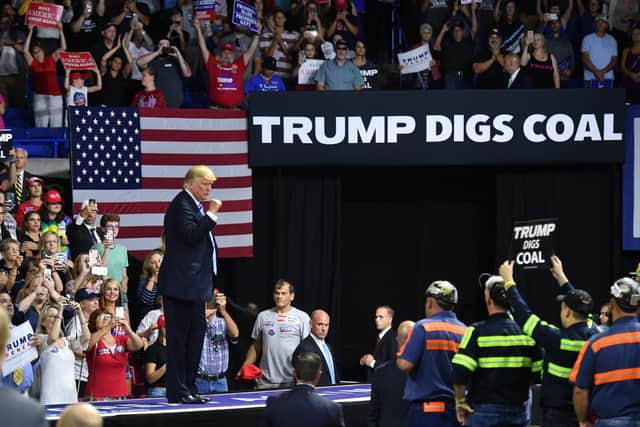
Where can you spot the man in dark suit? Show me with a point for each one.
(518, 78)
(186, 280)
(82, 232)
(16, 409)
(386, 344)
(387, 408)
(19, 189)
(316, 343)
(302, 405)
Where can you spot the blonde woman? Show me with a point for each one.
(541, 65)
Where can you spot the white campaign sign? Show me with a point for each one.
(415, 60)
(19, 350)
(308, 70)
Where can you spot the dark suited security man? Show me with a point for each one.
(16, 410)
(186, 280)
(316, 343)
(518, 77)
(302, 405)
(386, 345)
(387, 408)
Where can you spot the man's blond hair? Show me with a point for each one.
(199, 171)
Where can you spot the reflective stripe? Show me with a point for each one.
(433, 407)
(622, 338)
(571, 345)
(558, 371)
(446, 345)
(548, 325)
(629, 374)
(505, 362)
(537, 366)
(576, 366)
(404, 344)
(444, 327)
(466, 337)
(505, 341)
(530, 324)
(466, 361)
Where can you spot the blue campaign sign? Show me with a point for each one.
(245, 15)
(205, 9)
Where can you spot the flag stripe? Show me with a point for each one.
(151, 219)
(230, 206)
(127, 196)
(172, 171)
(148, 243)
(180, 113)
(185, 136)
(194, 159)
(231, 182)
(205, 148)
(220, 230)
(231, 252)
(194, 124)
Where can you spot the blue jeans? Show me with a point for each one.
(208, 387)
(491, 415)
(418, 418)
(157, 392)
(629, 421)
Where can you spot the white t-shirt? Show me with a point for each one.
(77, 96)
(57, 374)
(136, 52)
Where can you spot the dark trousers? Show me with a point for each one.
(186, 327)
(558, 418)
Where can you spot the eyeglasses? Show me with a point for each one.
(51, 241)
(341, 48)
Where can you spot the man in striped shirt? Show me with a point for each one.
(280, 44)
(214, 362)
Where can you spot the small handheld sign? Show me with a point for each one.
(245, 15)
(533, 243)
(6, 143)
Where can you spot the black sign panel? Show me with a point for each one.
(388, 128)
(534, 243)
(6, 143)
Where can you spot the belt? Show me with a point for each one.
(212, 377)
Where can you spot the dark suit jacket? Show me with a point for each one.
(384, 350)
(301, 406)
(16, 410)
(80, 240)
(522, 81)
(308, 345)
(25, 190)
(387, 408)
(187, 269)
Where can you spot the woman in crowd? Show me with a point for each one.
(110, 296)
(107, 355)
(116, 86)
(30, 234)
(77, 332)
(56, 358)
(309, 51)
(148, 286)
(150, 97)
(155, 363)
(79, 273)
(10, 264)
(541, 64)
(54, 259)
(312, 18)
(630, 67)
(52, 218)
(33, 203)
(148, 326)
(509, 25)
(47, 97)
(35, 295)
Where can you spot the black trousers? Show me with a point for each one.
(558, 418)
(186, 326)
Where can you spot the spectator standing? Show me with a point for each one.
(22, 178)
(280, 44)
(30, 235)
(77, 332)
(148, 327)
(561, 48)
(605, 373)
(114, 255)
(108, 41)
(116, 71)
(588, 16)
(542, 65)
(225, 74)
(77, 92)
(139, 46)
(214, 361)
(10, 266)
(33, 203)
(276, 334)
(240, 38)
(308, 51)
(630, 68)
(518, 77)
(386, 343)
(155, 362)
(339, 73)
(509, 25)
(52, 218)
(622, 14)
(47, 96)
(488, 65)
(368, 69)
(169, 69)
(12, 81)
(345, 23)
(426, 357)
(151, 96)
(148, 285)
(599, 56)
(456, 53)
(266, 81)
(82, 232)
(86, 25)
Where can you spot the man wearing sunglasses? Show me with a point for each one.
(339, 73)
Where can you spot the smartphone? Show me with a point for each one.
(120, 312)
(89, 7)
(46, 254)
(134, 18)
(93, 257)
(10, 199)
(108, 235)
(60, 258)
(530, 35)
(47, 273)
(92, 202)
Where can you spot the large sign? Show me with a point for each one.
(631, 182)
(436, 127)
(44, 15)
(77, 61)
(19, 350)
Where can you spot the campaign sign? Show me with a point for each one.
(19, 350)
(245, 15)
(43, 15)
(415, 60)
(205, 10)
(308, 70)
(369, 76)
(534, 243)
(77, 60)
(6, 143)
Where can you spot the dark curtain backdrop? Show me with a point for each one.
(351, 239)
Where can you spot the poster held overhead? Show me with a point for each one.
(533, 243)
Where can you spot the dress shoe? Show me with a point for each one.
(204, 399)
(190, 399)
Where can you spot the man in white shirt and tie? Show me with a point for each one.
(316, 343)
(518, 78)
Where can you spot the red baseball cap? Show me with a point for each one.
(161, 322)
(75, 75)
(249, 372)
(35, 179)
(228, 46)
(52, 196)
(340, 4)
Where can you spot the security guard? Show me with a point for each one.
(607, 372)
(426, 356)
(495, 364)
(561, 345)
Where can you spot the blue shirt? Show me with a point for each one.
(27, 377)
(215, 349)
(609, 366)
(259, 84)
(336, 77)
(430, 347)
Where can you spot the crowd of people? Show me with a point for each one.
(155, 55)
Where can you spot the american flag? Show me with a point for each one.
(133, 163)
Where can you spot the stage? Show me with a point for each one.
(229, 409)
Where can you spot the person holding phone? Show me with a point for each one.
(187, 286)
(114, 255)
(82, 233)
